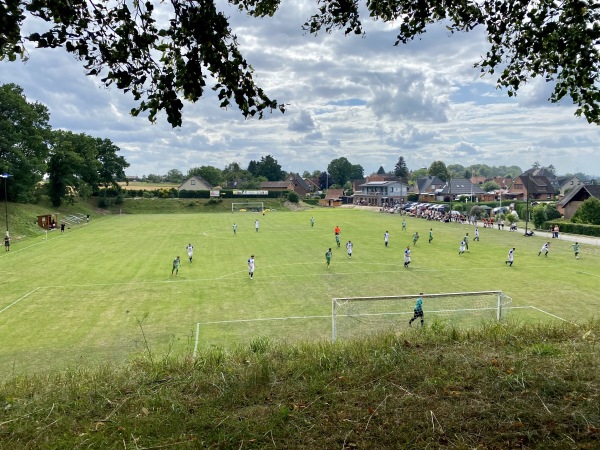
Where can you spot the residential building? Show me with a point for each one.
(301, 187)
(544, 172)
(195, 183)
(428, 185)
(568, 206)
(380, 193)
(333, 197)
(277, 186)
(456, 187)
(536, 187)
(567, 184)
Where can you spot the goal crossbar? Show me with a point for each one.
(501, 300)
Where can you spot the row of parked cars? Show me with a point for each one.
(416, 207)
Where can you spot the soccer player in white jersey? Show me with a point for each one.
(190, 251)
(349, 249)
(461, 249)
(545, 248)
(386, 238)
(511, 257)
(251, 267)
(406, 257)
(256, 225)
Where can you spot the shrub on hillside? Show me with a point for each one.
(293, 197)
(588, 212)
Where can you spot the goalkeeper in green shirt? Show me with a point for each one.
(418, 312)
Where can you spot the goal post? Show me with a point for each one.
(247, 207)
(360, 316)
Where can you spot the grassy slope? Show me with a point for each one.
(498, 388)
(526, 386)
(93, 290)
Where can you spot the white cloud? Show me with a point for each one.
(353, 96)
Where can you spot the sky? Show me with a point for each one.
(358, 97)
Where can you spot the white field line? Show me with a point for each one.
(266, 319)
(196, 339)
(263, 319)
(18, 300)
(552, 315)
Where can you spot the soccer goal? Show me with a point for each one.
(353, 317)
(247, 207)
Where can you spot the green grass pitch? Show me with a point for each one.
(104, 292)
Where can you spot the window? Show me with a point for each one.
(193, 182)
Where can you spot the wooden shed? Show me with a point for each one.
(47, 221)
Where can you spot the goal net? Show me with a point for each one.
(247, 207)
(354, 317)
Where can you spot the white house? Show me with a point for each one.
(195, 183)
(379, 193)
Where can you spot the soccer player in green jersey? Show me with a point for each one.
(176, 263)
(328, 257)
(403, 224)
(337, 239)
(575, 248)
(415, 237)
(418, 312)
(430, 235)
(312, 222)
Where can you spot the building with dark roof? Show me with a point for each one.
(534, 187)
(573, 200)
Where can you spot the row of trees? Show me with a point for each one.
(340, 172)
(75, 164)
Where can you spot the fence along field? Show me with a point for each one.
(103, 293)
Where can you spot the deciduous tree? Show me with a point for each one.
(24, 132)
(164, 52)
(340, 170)
(211, 174)
(438, 169)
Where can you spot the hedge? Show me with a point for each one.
(573, 228)
(229, 194)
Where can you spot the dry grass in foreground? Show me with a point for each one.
(502, 387)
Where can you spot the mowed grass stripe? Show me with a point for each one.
(97, 288)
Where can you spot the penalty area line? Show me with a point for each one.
(542, 311)
(18, 300)
(196, 340)
(263, 319)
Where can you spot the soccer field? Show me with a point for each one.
(104, 292)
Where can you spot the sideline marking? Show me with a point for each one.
(196, 340)
(265, 319)
(553, 315)
(19, 299)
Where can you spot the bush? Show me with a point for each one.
(293, 197)
(574, 228)
(552, 213)
(539, 215)
(588, 212)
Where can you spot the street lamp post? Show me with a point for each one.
(527, 205)
(5, 176)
